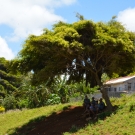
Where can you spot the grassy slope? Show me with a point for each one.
(122, 122)
(13, 119)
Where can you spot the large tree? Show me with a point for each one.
(82, 50)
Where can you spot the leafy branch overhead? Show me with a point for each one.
(78, 48)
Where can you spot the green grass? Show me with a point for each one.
(11, 120)
(120, 122)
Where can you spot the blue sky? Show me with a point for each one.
(20, 18)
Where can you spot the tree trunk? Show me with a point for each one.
(104, 94)
(106, 98)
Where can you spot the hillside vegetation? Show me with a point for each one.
(119, 122)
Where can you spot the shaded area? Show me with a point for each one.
(68, 120)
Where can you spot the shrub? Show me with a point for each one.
(23, 103)
(53, 99)
(9, 102)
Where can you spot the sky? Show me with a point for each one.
(21, 18)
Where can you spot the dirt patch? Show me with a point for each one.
(70, 119)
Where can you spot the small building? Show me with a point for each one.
(122, 84)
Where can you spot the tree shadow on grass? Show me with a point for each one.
(55, 124)
(69, 120)
(24, 130)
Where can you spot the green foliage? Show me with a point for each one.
(23, 103)
(8, 82)
(64, 90)
(29, 96)
(83, 89)
(63, 93)
(83, 50)
(7, 86)
(1, 88)
(114, 75)
(77, 49)
(53, 99)
(61, 88)
(9, 102)
(37, 96)
(104, 77)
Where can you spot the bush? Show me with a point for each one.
(23, 103)
(53, 99)
(9, 102)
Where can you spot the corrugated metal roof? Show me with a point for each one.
(119, 80)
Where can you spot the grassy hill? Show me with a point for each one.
(67, 119)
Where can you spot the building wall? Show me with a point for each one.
(124, 86)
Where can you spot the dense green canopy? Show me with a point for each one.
(8, 81)
(82, 50)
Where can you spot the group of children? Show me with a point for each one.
(93, 106)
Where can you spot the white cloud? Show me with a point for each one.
(127, 18)
(30, 16)
(5, 51)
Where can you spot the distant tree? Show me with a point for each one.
(8, 82)
(83, 50)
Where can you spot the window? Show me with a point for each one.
(119, 88)
(129, 86)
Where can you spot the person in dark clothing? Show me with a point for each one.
(93, 101)
(101, 105)
(86, 102)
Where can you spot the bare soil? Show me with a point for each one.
(69, 119)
